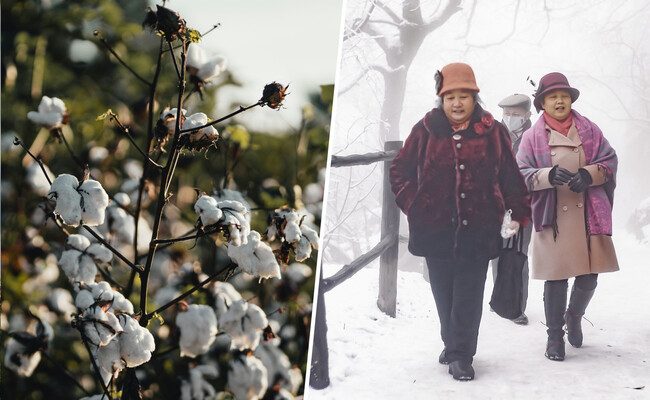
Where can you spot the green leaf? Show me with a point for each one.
(193, 35)
(108, 114)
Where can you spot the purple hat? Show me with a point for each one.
(550, 82)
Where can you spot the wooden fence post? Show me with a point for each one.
(387, 299)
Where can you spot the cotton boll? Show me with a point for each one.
(121, 304)
(60, 300)
(165, 294)
(224, 294)
(206, 207)
(278, 367)
(197, 120)
(198, 327)
(247, 378)
(68, 201)
(17, 360)
(203, 67)
(102, 291)
(311, 235)
(233, 205)
(292, 229)
(99, 253)
(200, 388)
(298, 272)
(212, 68)
(244, 323)
(87, 270)
(136, 342)
(37, 180)
(51, 113)
(100, 327)
(84, 299)
(94, 202)
(271, 232)
(109, 360)
(302, 249)
(255, 257)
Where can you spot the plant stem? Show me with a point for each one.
(112, 249)
(232, 114)
(97, 374)
(162, 194)
(74, 157)
(145, 168)
(127, 133)
(173, 56)
(189, 237)
(109, 48)
(17, 141)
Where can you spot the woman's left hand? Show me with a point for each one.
(511, 229)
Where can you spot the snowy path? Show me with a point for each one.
(373, 356)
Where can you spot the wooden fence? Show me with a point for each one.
(386, 250)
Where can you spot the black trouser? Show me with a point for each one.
(457, 287)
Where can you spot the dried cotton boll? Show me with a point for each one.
(37, 180)
(198, 326)
(136, 342)
(206, 207)
(247, 378)
(255, 257)
(51, 113)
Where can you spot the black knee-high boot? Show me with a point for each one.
(577, 305)
(555, 296)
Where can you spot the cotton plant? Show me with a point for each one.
(198, 326)
(247, 378)
(98, 325)
(136, 342)
(102, 293)
(80, 258)
(197, 387)
(298, 272)
(244, 323)
(23, 349)
(51, 114)
(287, 225)
(203, 68)
(78, 203)
(224, 295)
(108, 360)
(255, 257)
(166, 125)
(61, 301)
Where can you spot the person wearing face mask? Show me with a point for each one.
(570, 168)
(516, 117)
(454, 178)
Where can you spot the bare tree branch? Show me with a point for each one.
(450, 9)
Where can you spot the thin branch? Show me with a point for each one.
(112, 249)
(358, 24)
(232, 114)
(17, 141)
(97, 373)
(187, 293)
(173, 56)
(188, 237)
(127, 133)
(396, 18)
(74, 157)
(450, 9)
(110, 49)
(108, 278)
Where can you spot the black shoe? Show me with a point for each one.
(555, 349)
(461, 370)
(521, 320)
(442, 359)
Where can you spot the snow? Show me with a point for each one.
(376, 357)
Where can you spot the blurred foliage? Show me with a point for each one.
(48, 48)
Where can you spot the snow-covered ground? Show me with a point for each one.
(373, 356)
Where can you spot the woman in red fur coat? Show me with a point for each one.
(454, 179)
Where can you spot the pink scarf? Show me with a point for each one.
(559, 126)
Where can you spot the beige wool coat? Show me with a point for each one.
(573, 253)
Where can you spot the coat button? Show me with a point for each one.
(462, 195)
(457, 137)
(458, 145)
(552, 153)
(579, 205)
(575, 150)
(462, 167)
(465, 222)
(565, 208)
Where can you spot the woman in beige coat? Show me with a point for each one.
(570, 168)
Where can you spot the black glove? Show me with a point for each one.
(580, 181)
(559, 176)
